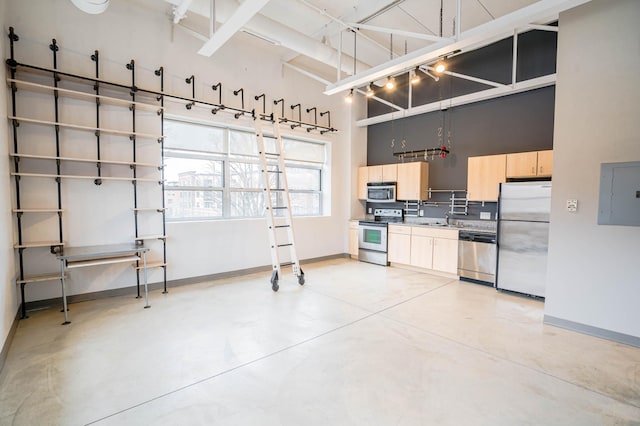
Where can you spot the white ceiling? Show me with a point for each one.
(294, 24)
(391, 37)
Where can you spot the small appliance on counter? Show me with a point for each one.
(523, 237)
(372, 236)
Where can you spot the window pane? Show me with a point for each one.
(305, 203)
(303, 151)
(242, 143)
(193, 172)
(245, 175)
(303, 178)
(193, 137)
(184, 204)
(246, 204)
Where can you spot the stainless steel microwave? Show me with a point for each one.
(381, 192)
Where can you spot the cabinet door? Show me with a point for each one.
(483, 176)
(522, 164)
(399, 248)
(353, 242)
(545, 163)
(422, 251)
(445, 255)
(363, 179)
(389, 172)
(375, 174)
(413, 181)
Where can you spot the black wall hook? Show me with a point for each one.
(218, 87)
(191, 80)
(240, 91)
(264, 107)
(276, 102)
(293, 126)
(315, 118)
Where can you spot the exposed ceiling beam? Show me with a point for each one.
(483, 95)
(543, 27)
(467, 77)
(180, 11)
(474, 38)
(240, 17)
(411, 34)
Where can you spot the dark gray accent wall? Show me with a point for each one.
(516, 123)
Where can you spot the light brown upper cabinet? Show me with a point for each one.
(389, 173)
(529, 164)
(545, 163)
(375, 173)
(413, 181)
(484, 174)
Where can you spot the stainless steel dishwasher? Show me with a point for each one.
(477, 256)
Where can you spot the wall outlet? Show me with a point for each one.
(421, 213)
(485, 215)
(369, 210)
(572, 205)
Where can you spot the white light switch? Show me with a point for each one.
(572, 205)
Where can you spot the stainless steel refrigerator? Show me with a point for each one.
(523, 237)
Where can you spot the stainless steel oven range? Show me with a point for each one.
(372, 236)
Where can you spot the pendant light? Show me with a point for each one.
(391, 83)
(349, 98)
(369, 93)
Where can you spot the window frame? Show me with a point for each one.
(228, 157)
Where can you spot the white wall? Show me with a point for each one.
(8, 291)
(141, 30)
(593, 274)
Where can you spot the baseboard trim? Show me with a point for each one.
(626, 339)
(7, 343)
(124, 291)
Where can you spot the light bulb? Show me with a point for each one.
(391, 83)
(370, 91)
(349, 98)
(440, 67)
(414, 78)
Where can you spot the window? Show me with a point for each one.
(213, 172)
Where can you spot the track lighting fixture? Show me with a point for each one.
(349, 98)
(414, 77)
(369, 91)
(391, 83)
(440, 66)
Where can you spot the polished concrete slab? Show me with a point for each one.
(358, 344)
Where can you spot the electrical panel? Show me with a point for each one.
(619, 201)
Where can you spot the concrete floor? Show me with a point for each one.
(359, 344)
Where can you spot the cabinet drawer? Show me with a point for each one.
(427, 231)
(399, 229)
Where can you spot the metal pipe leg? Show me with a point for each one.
(146, 290)
(64, 294)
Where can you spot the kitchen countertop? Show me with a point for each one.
(460, 225)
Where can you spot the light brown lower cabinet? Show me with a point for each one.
(424, 247)
(353, 238)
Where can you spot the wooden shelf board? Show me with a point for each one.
(105, 261)
(39, 278)
(84, 160)
(35, 87)
(150, 265)
(38, 244)
(85, 128)
(37, 210)
(151, 237)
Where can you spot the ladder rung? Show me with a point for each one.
(279, 208)
(273, 154)
(286, 264)
(282, 226)
(285, 245)
(276, 189)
